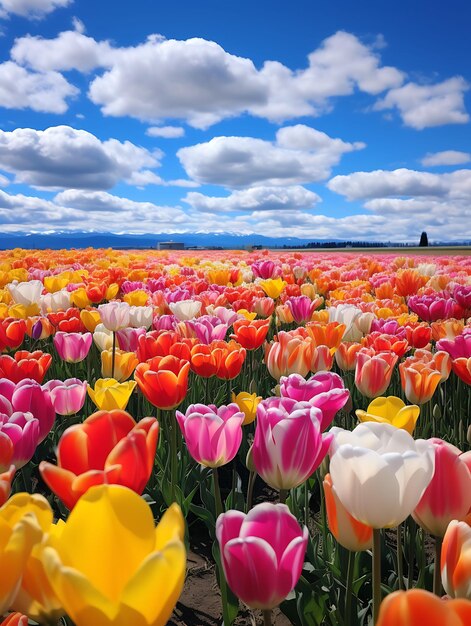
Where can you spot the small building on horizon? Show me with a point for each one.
(170, 245)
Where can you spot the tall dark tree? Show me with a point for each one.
(423, 240)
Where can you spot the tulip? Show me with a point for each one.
(25, 365)
(123, 366)
(324, 390)
(19, 531)
(58, 301)
(251, 334)
(5, 482)
(163, 380)
(321, 358)
(29, 396)
(346, 355)
(116, 529)
(265, 269)
(141, 316)
(108, 447)
(26, 293)
(213, 435)
(72, 347)
(288, 445)
(67, 396)
(128, 338)
(381, 342)
(433, 308)
(456, 560)
(462, 368)
(356, 322)
(379, 472)
(301, 308)
(19, 436)
(138, 299)
(418, 607)
(12, 334)
(109, 394)
(391, 410)
(262, 553)
(273, 287)
(90, 319)
(289, 354)
(350, 533)
(326, 334)
(373, 371)
(446, 329)
(103, 338)
(185, 309)
(40, 328)
(207, 328)
(419, 381)
(247, 403)
(447, 497)
(264, 307)
(115, 315)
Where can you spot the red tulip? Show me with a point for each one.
(163, 380)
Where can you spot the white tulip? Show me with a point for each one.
(103, 337)
(380, 472)
(26, 293)
(57, 301)
(141, 316)
(185, 309)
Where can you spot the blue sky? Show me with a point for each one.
(310, 119)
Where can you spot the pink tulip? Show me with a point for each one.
(448, 496)
(67, 396)
(288, 445)
(373, 371)
(164, 322)
(128, 338)
(457, 348)
(266, 269)
(115, 315)
(462, 295)
(435, 307)
(301, 308)
(19, 436)
(321, 358)
(29, 396)
(324, 390)
(208, 328)
(212, 434)
(262, 553)
(72, 347)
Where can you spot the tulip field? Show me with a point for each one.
(305, 416)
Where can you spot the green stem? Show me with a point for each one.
(113, 354)
(173, 454)
(250, 488)
(283, 495)
(222, 578)
(349, 588)
(437, 580)
(376, 573)
(410, 570)
(400, 569)
(306, 504)
(267, 617)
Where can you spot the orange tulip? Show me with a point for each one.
(163, 380)
(381, 342)
(5, 484)
(108, 447)
(250, 334)
(12, 334)
(447, 329)
(419, 381)
(25, 365)
(326, 334)
(456, 560)
(288, 354)
(418, 607)
(15, 619)
(462, 368)
(163, 343)
(373, 371)
(124, 364)
(346, 355)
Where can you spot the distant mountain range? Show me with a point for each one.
(84, 239)
(80, 239)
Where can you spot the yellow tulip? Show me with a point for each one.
(110, 566)
(109, 394)
(136, 298)
(35, 597)
(56, 283)
(247, 403)
(20, 530)
(273, 287)
(5, 296)
(22, 312)
(391, 410)
(124, 364)
(90, 319)
(79, 298)
(112, 291)
(247, 314)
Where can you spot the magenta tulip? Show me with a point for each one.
(448, 495)
(262, 553)
(128, 338)
(67, 396)
(29, 396)
(208, 328)
(288, 445)
(301, 308)
(324, 390)
(19, 436)
(72, 347)
(213, 435)
(457, 348)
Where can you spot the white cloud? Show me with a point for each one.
(293, 198)
(384, 183)
(46, 92)
(61, 157)
(447, 157)
(423, 106)
(300, 154)
(4, 181)
(168, 132)
(70, 50)
(32, 9)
